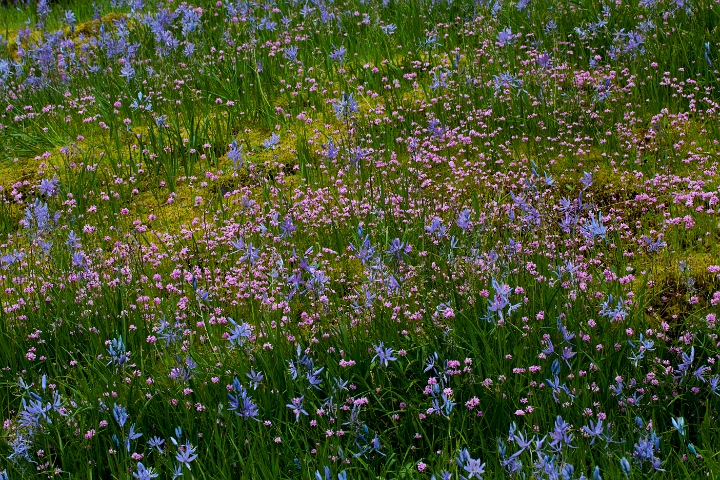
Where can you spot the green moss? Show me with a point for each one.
(672, 290)
(610, 191)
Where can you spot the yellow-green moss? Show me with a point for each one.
(670, 294)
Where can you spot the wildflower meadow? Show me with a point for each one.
(359, 239)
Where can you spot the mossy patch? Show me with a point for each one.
(681, 290)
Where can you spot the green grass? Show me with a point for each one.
(155, 224)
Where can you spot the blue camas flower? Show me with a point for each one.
(186, 454)
(383, 354)
(345, 107)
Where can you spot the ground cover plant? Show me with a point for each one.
(359, 239)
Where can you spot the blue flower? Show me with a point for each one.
(463, 220)
(156, 442)
(118, 354)
(594, 229)
(255, 378)
(235, 155)
(398, 249)
(132, 435)
(243, 406)
(714, 385)
(49, 187)
(144, 473)
(506, 80)
(251, 254)
(594, 430)
(186, 454)
(679, 425)
(331, 151)
(297, 407)
(653, 245)
(238, 334)
(338, 54)
(272, 142)
(312, 377)
(127, 71)
(625, 465)
(291, 53)
(474, 468)
(345, 107)
(384, 355)
(120, 415)
(687, 362)
(287, 228)
(505, 37)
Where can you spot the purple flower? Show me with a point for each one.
(384, 355)
(506, 37)
(243, 406)
(291, 53)
(120, 415)
(287, 228)
(255, 378)
(156, 442)
(313, 379)
(144, 473)
(127, 71)
(49, 187)
(398, 249)
(272, 142)
(595, 430)
(186, 454)
(506, 80)
(132, 435)
(345, 107)
(338, 54)
(435, 227)
(297, 407)
(544, 60)
(472, 466)
(331, 151)
(238, 334)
